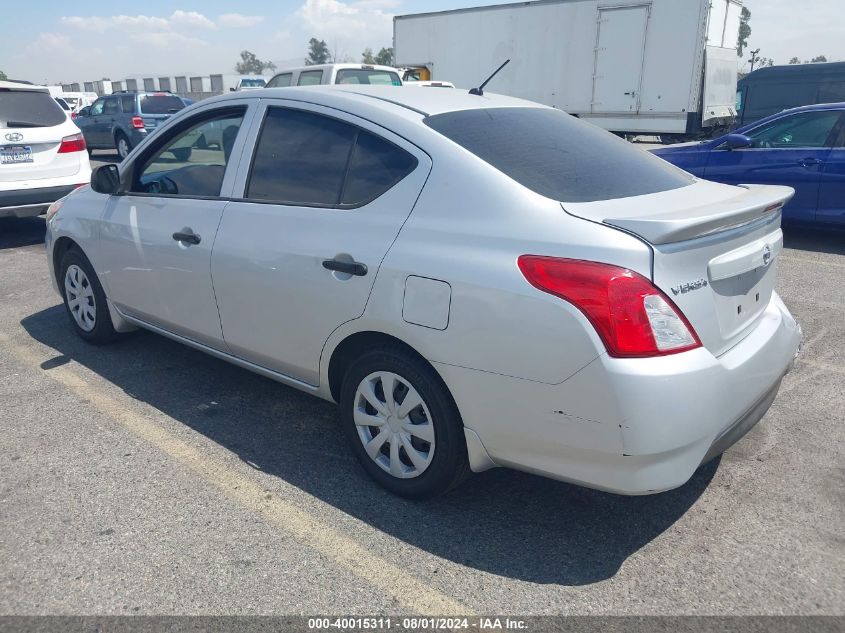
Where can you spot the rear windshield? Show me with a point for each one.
(558, 156)
(368, 77)
(161, 104)
(29, 108)
(252, 83)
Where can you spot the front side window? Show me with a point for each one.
(803, 130)
(97, 108)
(310, 78)
(558, 156)
(280, 81)
(192, 162)
(367, 76)
(308, 159)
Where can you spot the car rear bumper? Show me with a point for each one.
(630, 426)
(28, 202)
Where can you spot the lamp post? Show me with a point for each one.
(755, 55)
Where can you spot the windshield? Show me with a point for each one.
(368, 76)
(161, 104)
(252, 83)
(28, 108)
(558, 156)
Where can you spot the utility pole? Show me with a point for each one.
(755, 55)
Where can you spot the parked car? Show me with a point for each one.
(773, 89)
(572, 306)
(122, 120)
(803, 148)
(249, 83)
(349, 74)
(42, 153)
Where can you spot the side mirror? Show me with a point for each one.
(106, 179)
(231, 90)
(84, 111)
(736, 141)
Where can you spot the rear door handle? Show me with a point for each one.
(809, 162)
(187, 237)
(352, 268)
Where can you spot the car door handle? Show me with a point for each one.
(353, 268)
(187, 237)
(809, 162)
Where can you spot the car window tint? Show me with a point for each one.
(375, 167)
(558, 156)
(310, 78)
(97, 108)
(806, 129)
(192, 162)
(301, 158)
(110, 106)
(367, 76)
(280, 81)
(28, 108)
(161, 104)
(127, 102)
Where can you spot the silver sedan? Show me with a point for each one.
(476, 280)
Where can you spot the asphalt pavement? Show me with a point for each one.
(148, 478)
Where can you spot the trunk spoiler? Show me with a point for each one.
(692, 211)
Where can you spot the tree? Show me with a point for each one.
(794, 61)
(817, 59)
(3, 76)
(385, 57)
(251, 65)
(766, 61)
(318, 52)
(367, 56)
(744, 31)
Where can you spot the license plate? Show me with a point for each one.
(19, 154)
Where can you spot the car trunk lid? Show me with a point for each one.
(715, 250)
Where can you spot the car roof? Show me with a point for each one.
(337, 66)
(15, 85)
(398, 99)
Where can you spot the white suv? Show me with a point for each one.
(327, 74)
(42, 152)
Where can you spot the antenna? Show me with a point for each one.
(480, 90)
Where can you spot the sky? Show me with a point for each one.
(85, 40)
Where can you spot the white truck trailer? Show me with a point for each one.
(663, 67)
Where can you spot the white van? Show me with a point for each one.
(353, 74)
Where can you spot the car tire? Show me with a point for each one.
(438, 465)
(84, 299)
(122, 145)
(182, 153)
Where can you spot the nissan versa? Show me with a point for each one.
(476, 280)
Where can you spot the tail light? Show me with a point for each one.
(73, 115)
(632, 316)
(72, 143)
(137, 122)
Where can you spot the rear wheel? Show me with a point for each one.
(402, 424)
(85, 301)
(123, 145)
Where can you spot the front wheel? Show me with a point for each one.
(402, 424)
(85, 301)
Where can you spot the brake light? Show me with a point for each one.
(73, 115)
(72, 143)
(632, 316)
(137, 122)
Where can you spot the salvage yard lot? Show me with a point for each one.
(146, 477)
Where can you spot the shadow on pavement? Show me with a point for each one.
(503, 522)
(819, 240)
(17, 232)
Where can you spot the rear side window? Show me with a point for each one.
(161, 104)
(128, 104)
(367, 77)
(280, 81)
(375, 167)
(28, 108)
(311, 160)
(310, 78)
(301, 158)
(110, 106)
(557, 155)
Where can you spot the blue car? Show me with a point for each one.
(803, 148)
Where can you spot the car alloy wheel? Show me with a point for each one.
(394, 424)
(80, 298)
